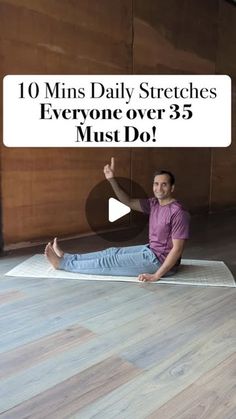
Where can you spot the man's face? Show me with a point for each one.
(162, 188)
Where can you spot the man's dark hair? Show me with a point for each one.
(165, 172)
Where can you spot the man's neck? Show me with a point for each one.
(163, 202)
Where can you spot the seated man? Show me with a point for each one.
(168, 230)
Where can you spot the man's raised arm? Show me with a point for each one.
(109, 172)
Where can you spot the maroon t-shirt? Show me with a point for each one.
(166, 222)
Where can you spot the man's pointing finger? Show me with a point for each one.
(112, 163)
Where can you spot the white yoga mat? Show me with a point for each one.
(191, 272)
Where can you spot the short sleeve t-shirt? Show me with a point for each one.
(166, 222)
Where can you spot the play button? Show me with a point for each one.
(111, 219)
(116, 210)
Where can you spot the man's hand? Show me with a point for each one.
(148, 278)
(109, 169)
(109, 172)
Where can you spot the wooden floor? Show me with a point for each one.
(74, 349)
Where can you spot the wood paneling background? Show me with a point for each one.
(44, 190)
(174, 38)
(223, 193)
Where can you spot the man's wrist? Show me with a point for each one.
(157, 277)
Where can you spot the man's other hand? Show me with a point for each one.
(148, 278)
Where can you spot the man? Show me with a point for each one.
(168, 230)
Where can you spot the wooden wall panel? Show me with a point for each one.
(223, 195)
(45, 190)
(172, 37)
(76, 31)
(1, 112)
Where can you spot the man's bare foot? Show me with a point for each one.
(59, 252)
(51, 256)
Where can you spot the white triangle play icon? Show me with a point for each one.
(116, 209)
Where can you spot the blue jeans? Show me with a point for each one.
(127, 261)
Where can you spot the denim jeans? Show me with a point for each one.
(127, 261)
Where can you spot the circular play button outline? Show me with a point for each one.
(123, 228)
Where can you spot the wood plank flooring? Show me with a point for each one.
(72, 349)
